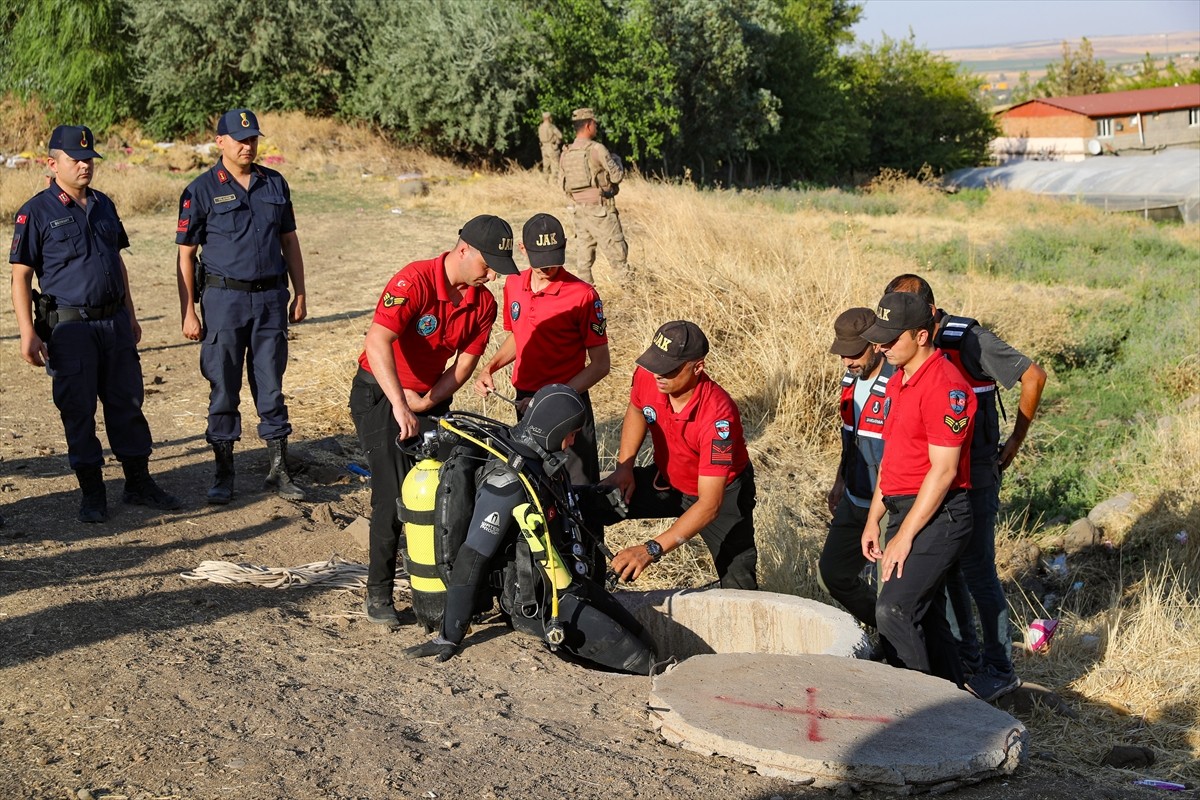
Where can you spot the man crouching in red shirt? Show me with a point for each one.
(701, 472)
(928, 411)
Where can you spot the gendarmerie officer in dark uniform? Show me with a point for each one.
(239, 215)
(86, 330)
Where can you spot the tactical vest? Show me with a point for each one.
(985, 441)
(857, 473)
(949, 337)
(870, 422)
(577, 168)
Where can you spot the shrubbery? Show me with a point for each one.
(732, 91)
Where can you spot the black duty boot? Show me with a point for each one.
(141, 490)
(379, 606)
(279, 478)
(94, 507)
(222, 488)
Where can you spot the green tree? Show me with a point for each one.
(73, 57)
(1078, 73)
(923, 109)
(1151, 76)
(606, 55)
(822, 133)
(201, 57)
(451, 75)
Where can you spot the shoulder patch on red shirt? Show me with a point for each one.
(390, 300)
(722, 452)
(956, 425)
(958, 401)
(598, 328)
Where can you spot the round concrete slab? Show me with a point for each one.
(826, 720)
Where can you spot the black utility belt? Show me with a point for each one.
(88, 313)
(894, 503)
(221, 282)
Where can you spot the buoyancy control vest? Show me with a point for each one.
(540, 578)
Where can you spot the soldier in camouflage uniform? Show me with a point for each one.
(551, 139)
(591, 176)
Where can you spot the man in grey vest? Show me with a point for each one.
(591, 177)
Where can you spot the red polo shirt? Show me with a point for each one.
(934, 407)
(416, 305)
(705, 438)
(553, 328)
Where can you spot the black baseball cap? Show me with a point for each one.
(898, 312)
(848, 330)
(76, 141)
(673, 344)
(493, 237)
(240, 123)
(545, 241)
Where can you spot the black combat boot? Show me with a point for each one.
(222, 488)
(140, 488)
(94, 507)
(278, 478)
(380, 608)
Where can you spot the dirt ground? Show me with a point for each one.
(119, 679)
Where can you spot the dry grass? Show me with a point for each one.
(766, 286)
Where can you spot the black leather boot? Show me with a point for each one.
(380, 608)
(140, 488)
(222, 488)
(278, 478)
(94, 506)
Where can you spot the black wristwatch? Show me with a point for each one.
(655, 550)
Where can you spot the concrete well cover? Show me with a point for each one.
(827, 720)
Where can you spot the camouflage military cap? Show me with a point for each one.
(581, 114)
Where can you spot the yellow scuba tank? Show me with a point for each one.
(418, 494)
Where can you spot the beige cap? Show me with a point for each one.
(581, 114)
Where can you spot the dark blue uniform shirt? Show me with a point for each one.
(75, 252)
(238, 230)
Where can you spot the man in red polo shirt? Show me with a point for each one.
(556, 334)
(430, 328)
(923, 480)
(701, 472)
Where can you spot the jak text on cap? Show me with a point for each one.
(493, 237)
(897, 312)
(545, 241)
(674, 344)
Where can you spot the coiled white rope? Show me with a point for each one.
(337, 572)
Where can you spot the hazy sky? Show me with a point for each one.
(941, 24)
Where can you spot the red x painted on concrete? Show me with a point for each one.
(815, 714)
